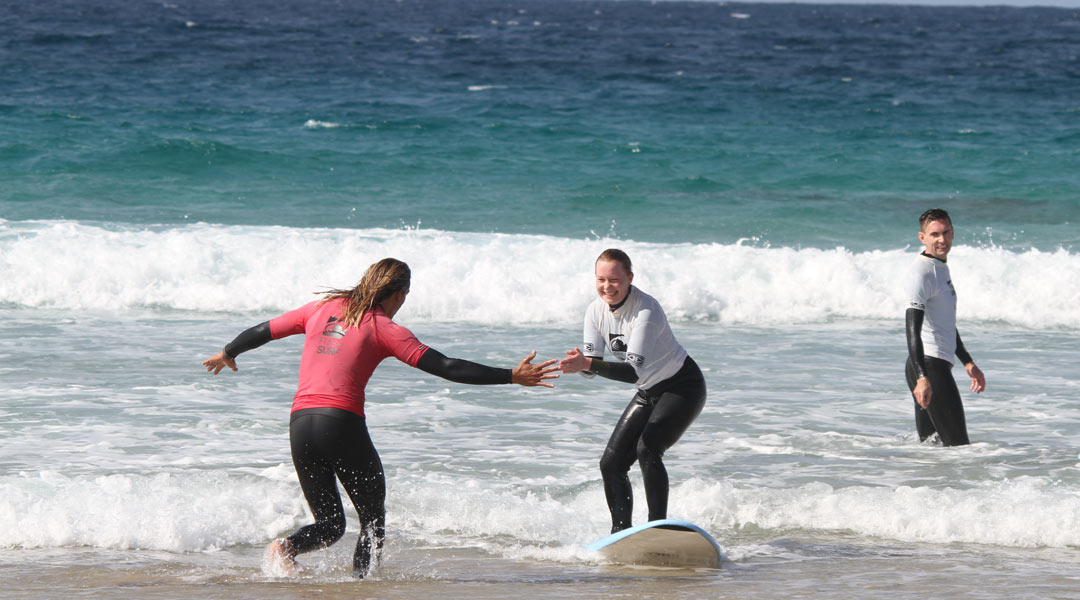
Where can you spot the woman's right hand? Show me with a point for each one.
(575, 362)
(218, 362)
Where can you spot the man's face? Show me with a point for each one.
(937, 237)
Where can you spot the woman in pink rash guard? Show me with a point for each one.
(347, 334)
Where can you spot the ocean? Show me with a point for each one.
(173, 172)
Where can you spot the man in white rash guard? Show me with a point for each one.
(932, 337)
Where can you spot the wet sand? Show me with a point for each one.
(808, 568)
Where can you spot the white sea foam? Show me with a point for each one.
(196, 511)
(316, 124)
(507, 279)
(205, 511)
(1024, 512)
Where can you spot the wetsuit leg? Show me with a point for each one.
(675, 409)
(619, 456)
(314, 468)
(946, 411)
(329, 444)
(365, 483)
(652, 422)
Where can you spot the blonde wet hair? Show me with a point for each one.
(380, 281)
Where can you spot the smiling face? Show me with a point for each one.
(612, 281)
(937, 237)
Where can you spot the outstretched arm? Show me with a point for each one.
(978, 380)
(914, 320)
(249, 339)
(576, 362)
(464, 371)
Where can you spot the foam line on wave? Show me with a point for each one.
(505, 279)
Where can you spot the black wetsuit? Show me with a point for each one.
(329, 444)
(653, 421)
(945, 414)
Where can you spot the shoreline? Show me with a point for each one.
(806, 566)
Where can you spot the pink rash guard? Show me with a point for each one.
(337, 361)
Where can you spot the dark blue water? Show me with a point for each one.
(796, 125)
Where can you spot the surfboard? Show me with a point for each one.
(666, 542)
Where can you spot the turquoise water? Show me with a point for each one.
(172, 173)
(703, 122)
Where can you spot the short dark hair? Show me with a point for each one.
(616, 255)
(934, 214)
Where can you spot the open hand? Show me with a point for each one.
(575, 362)
(218, 362)
(531, 375)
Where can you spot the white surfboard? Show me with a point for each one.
(667, 543)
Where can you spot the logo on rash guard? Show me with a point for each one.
(333, 329)
(635, 359)
(589, 348)
(616, 342)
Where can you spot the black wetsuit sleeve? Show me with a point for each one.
(249, 339)
(619, 371)
(962, 352)
(914, 319)
(462, 371)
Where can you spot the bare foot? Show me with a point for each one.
(279, 559)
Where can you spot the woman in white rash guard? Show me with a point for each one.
(671, 389)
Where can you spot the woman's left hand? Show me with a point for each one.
(531, 375)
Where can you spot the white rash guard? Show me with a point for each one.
(637, 333)
(929, 288)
